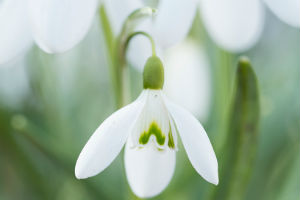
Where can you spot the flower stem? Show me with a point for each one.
(141, 33)
(117, 46)
(115, 71)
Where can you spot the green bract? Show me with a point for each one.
(153, 75)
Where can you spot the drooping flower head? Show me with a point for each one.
(149, 127)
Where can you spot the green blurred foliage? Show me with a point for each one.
(69, 95)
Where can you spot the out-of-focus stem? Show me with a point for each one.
(225, 68)
(122, 45)
(24, 128)
(144, 34)
(116, 47)
(116, 71)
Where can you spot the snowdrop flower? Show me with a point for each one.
(234, 25)
(55, 25)
(148, 126)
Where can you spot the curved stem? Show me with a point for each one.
(120, 62)
(116, 47)
(144, 34)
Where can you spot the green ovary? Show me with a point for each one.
(160, 137)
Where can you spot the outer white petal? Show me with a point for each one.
(119, 10)
(58, 25)
(286, 10)
(195, 142)
(234, 25)
(15, 35)
(173, 21)
(107, 141)
(148, 170)
(188, 60)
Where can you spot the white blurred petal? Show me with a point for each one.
(234, 25)
(173, 21)
(286, 10)
(119, 10)
(148, 170)
(14, 83)
(107, 141)
(58, 25)
(187, 78)
(195, 142)
(15, 35)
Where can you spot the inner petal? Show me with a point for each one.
(154, 125)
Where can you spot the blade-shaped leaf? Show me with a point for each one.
(239, 151)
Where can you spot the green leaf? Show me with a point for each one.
(236, 160)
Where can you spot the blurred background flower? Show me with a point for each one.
(188, 59)
(56, 26)
(49, 104)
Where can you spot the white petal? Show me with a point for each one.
(195, 142)
(58, 25)
(286, 10)
(119, 10)
(107, 141)
(234, 25)
(173, 21)
(188, 60)
(15, 35)
(148, 170)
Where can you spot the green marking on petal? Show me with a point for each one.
(153, 130)
(171, 140)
